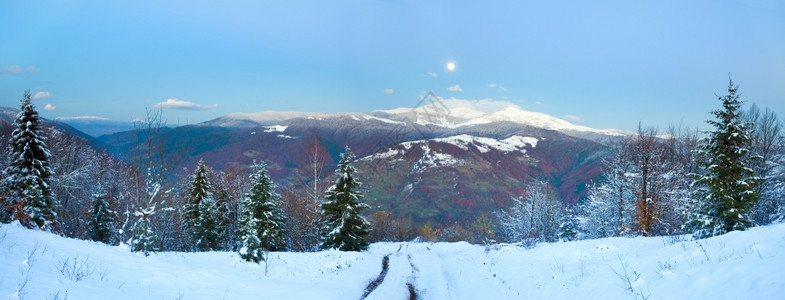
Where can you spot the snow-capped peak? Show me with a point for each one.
(454, 113)
(534, 119)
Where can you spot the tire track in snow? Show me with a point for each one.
(429, 272)
(401, 280)
(412, 279)
(394, 284)
(376, 282)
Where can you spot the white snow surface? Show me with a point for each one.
(433, 159)
(484, 144)
(738, 265)
(383, 120)
(276, 128)
(535, 119)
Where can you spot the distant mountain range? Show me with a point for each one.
(439, 164)
(428, 115)
(97, 126)
(8, 115)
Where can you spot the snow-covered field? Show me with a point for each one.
(738, 265)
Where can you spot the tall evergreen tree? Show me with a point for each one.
(28, 171)
(727, 190)
(342, 226)
(208, 227)
(261, 218)
(101, 217)
(199, 211)
(225, 210)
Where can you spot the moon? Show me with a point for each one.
(450, 66)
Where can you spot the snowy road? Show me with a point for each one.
(424, 267)
(38, 265)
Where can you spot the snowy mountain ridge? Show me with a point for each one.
(446, 113)
(8, 114)
(274, 117)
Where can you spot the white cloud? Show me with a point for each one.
(49, 107)
(432, 74)
(185, 105)
(538, 102)
(17, 70)
(455, 88)
(82, 118)
(573, 118)
(497, 87)
(41, 95)
(388, 91)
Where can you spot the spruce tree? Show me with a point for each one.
(343, 227)
(28, 171)
(567, 230)
(261, 218)
(208, 227)
(197, 225)
(727, 185)
(144, 237)
(101, 217)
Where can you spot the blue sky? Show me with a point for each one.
(603, 64)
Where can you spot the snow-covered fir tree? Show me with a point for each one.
(226, 209)
(567, 230)
(261, 218)
(727, 184)
(200, 212)
(343, 227)
(144, 237)
(101, 217)
(28, 172)
(208, 228)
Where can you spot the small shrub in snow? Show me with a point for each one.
(76, 269)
